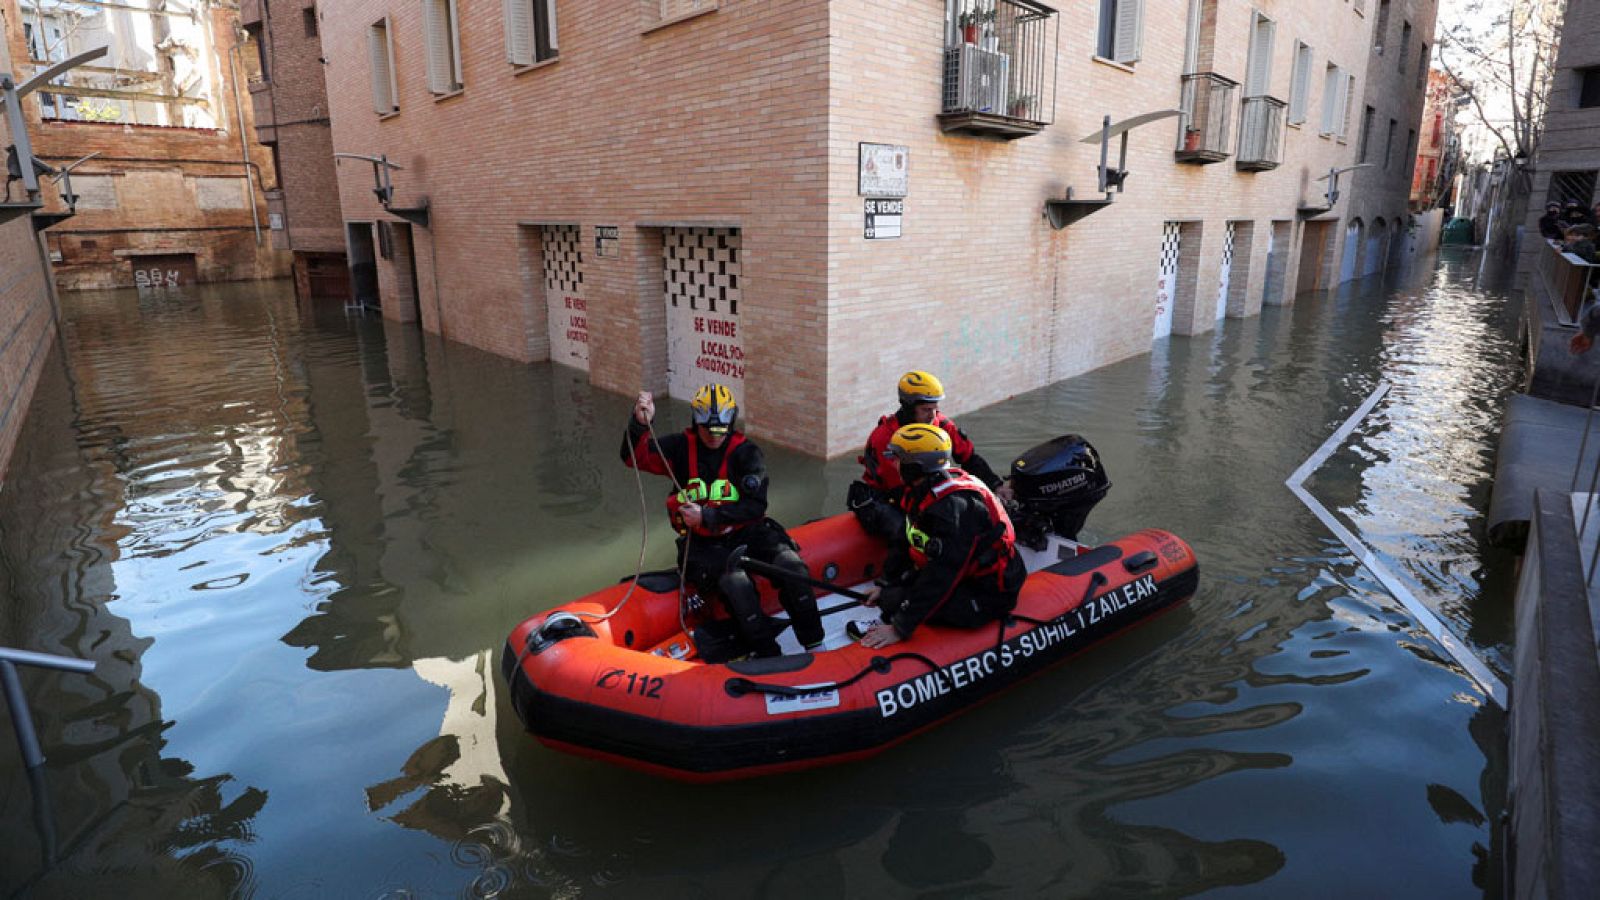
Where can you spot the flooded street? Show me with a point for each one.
(295, 546)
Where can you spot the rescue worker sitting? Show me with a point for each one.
(874, 498)
(957, 563)
(721, 510)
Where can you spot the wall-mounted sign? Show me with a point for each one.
(883, 218)
(883, 170)
(275, 221)
(607, 241)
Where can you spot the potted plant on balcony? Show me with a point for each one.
(972, 22)
(1021, 106)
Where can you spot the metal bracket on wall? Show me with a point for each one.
(1064, 212)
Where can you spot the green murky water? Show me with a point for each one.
(295, 545)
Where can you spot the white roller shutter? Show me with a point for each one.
(550, 22)
(1346, 83)
(1130, 30)
(1260, 77)
(435, 32)
(1332, 94)
(456, 78)
(1300, 91)
(382, 73)
(519, 32)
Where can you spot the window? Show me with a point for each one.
(1438, 128)
(1576, 187)
(1422, 66)
(1300, 87)
(380, 54)
(1121, 30)
(1258, 77)
(530, 31)
(1335, 100)
(1366, 133)
(1388, 143)
(1380, 30)
(1588, 87)
(263, 73)
(1405, 46)
(1411, 146)
(1344, 108)
(442, 36)
(309, 16)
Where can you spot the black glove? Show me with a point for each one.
(859, 495)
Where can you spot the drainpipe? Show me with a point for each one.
(244, 141)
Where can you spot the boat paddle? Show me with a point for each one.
(757, 567)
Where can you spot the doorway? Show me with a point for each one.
(363, 262)
(705, 342)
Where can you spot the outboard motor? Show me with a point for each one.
(1055, 485)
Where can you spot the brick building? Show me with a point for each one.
(27, 318)
(807, 198)
(1437, 144)
(290, 99)
(174, 193)
(1567, 162)
(1378, 221)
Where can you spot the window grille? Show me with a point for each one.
(1572, 187)
(999, 67)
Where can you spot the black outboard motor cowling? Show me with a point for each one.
(1055, 485)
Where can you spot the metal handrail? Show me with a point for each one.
(21, 715)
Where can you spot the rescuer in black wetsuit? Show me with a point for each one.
(957, 562)
(721, 507)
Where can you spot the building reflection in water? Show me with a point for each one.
(346, 522)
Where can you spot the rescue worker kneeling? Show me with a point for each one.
(957, 563)
(720, 512)
(875, 497)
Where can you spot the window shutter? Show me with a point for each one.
(1346, 83)
(1260, 77)
(1332, 90)
(519, 32)
(456, 78)
(378, 62)
(434, 23)
(550, 22)
(1300, 90)
(1130, 30)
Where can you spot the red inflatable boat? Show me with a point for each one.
(627, 687)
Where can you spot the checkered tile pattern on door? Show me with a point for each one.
(702, 268)
(1169, 248)
(563, 261)
(1227, 247)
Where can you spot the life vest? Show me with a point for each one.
(1002, 543)
(719, 492)
(882, 474)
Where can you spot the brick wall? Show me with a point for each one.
(156, 170)
(291, 109)
(27, 319)
(750, 116)
(1396, 89)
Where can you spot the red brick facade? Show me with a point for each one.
(160, 174)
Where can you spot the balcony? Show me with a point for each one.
(1205, 127)
(1261, 134)
(1567, 282)
(999, 68)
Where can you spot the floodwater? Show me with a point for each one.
(295, 544)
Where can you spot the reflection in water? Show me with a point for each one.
(296, 542)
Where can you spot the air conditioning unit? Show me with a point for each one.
(975, 80)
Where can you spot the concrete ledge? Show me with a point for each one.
(1555, 716)
(1553, 372)
(1538, 450)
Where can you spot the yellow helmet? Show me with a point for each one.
(714, 407)
(920, 387)
(924, 447)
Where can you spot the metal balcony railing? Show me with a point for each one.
(1569, 283)
(999, 68)
(1261, 134)
(1204, 128)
